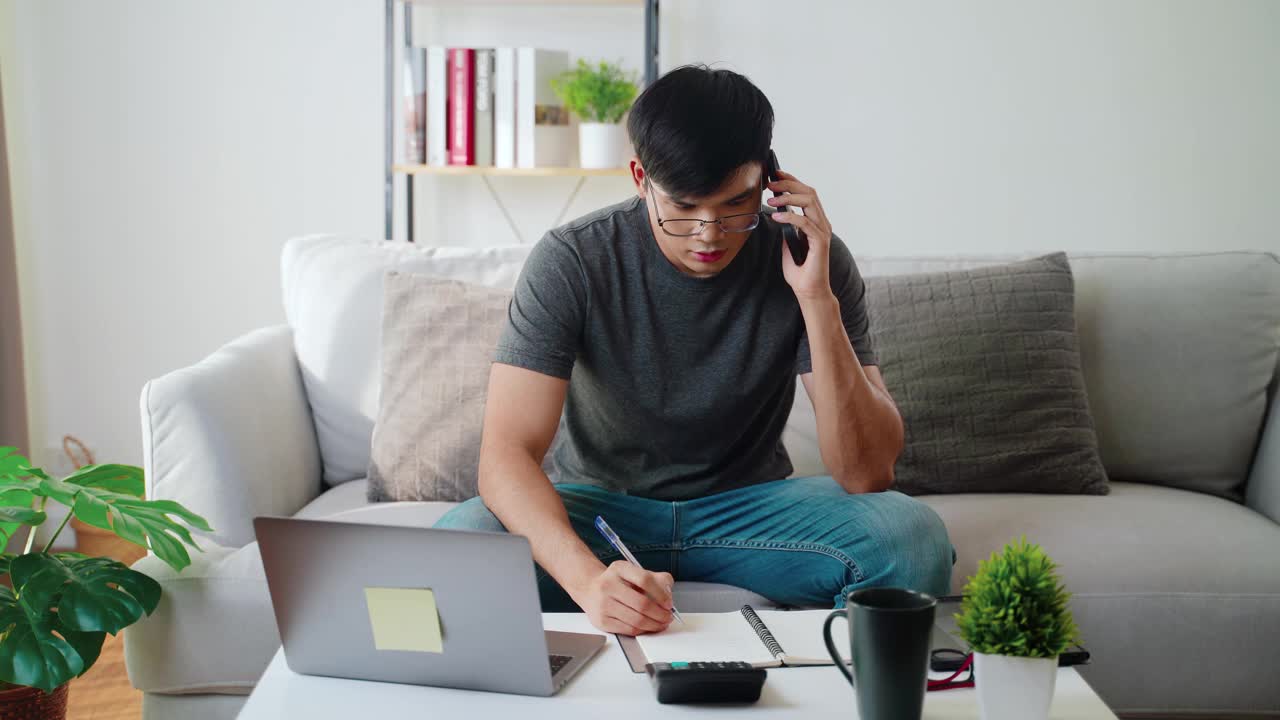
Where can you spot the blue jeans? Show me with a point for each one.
(798, 542)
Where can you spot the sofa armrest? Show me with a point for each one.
(232, 437)
(1262, 492)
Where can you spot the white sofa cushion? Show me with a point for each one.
(333, 299)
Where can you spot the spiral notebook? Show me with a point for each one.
(768, 638)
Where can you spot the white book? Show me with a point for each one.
(543, 133)
(414, 101)
(437, 106)
(768, 638)
(504, 108)
(483, 99)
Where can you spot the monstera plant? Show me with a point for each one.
(57, 609)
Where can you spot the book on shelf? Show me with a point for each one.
(504, 107)
(487, 106)
(462, 116)
(483, 101)
(437, 106)
(543, 132)
(414, 105)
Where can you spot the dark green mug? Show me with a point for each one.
(889, 632)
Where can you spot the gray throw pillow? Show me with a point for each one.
(985, 368)
(438, 338)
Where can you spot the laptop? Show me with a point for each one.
(448, 608)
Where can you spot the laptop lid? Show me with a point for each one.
(330, 583)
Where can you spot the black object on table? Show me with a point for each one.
(706, 682)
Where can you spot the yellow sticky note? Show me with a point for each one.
(404, 619)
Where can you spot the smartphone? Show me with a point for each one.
(797, 243)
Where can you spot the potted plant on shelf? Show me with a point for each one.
(57, 608)
(599, 95)
(1015, 618)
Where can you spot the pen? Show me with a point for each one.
(616, 542)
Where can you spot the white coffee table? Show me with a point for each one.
(606, 688)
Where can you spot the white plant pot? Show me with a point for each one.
(1014, 688)
(601, 145)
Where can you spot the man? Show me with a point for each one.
(669, 329)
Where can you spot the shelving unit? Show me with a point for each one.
(393, 168)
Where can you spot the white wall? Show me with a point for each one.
(162, 151)
(937, 127)
(161, 154)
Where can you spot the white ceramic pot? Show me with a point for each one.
(1014, 688)
(601, 145)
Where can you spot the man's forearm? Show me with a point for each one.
(519, 493)
(859, 429)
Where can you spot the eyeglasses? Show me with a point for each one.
(688, 227)
(961, 661)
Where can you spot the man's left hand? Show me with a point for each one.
(812, 280)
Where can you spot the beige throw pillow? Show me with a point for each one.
(438, 338)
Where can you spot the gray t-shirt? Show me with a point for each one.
(679, 387)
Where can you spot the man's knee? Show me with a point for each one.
(921, 549)
(914, 550)
(471, 515)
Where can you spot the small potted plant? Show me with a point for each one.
(599, 95)
(1015, 618)
(57, 608)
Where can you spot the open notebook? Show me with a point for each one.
(769, 638)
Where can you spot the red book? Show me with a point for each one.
(462, 113)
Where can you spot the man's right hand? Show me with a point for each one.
(628, 600)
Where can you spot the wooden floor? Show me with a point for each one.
(104, 693)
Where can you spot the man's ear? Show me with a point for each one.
(637, 175)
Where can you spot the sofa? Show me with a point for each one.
(1176, 589)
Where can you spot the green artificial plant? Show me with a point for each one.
(59, 607)
(600, 93)
(1017, 605)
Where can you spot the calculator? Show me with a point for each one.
(706, 682)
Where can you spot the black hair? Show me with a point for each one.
(695, 126)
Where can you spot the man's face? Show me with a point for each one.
(710, 252)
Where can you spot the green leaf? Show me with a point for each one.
(142, 522)
(126, 479)
(13, 498)
(31, 654)
(22, 516)
(88, 645)
(68, 557)
(56, 489)
(11, 463)
(16, 497)
(24, 567)
(103, 595)
(18, 482)
(55, 624)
